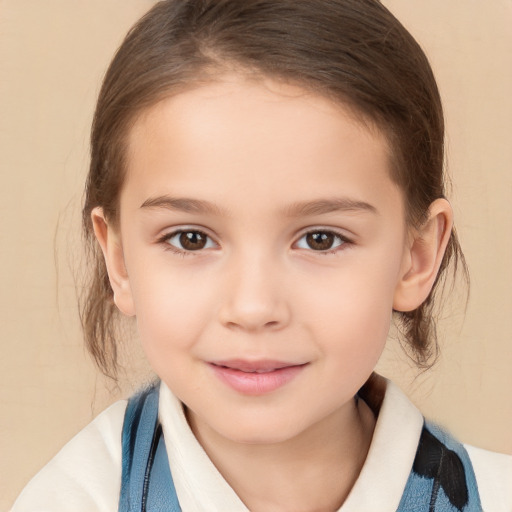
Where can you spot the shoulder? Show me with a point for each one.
(85, 475)
(493, 473)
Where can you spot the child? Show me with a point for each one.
(266, 190)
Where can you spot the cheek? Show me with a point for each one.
(358, 332)
(170, 313)
(361, 325)
(354, 310)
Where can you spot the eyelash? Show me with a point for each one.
(343, 241)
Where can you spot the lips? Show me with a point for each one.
(262, 366)
(256, 377)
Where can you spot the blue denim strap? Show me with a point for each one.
(146, 481)
(442, 478)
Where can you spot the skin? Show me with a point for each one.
(268, 158)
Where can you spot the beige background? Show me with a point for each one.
(52, 56)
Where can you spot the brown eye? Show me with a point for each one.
(321, 241)
(185, 241)
(192, 240)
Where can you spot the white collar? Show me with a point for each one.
(380, 485)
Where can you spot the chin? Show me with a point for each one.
(259, 438)
(260, 432)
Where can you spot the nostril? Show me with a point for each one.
(245, 325)
(250, 312)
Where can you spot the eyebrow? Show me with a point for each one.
(299, 209)
(183, 204)
(322, 206)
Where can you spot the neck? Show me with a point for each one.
(313, 471)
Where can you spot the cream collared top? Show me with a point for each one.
(85, 476)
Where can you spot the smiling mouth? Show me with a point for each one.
(256, 377)
(263, 366)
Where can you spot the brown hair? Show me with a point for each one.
(354, 51)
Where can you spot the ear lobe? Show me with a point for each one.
(112, 249)
(424, 257)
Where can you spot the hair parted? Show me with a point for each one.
(352, 51)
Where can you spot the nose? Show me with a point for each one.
(254, 296)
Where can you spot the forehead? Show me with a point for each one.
(237, 137)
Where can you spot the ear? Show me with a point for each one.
(423, 257)
(112, 249)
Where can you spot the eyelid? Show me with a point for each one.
(342, 233)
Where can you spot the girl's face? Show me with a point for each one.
(261, 245)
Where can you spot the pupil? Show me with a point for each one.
(320, 241)
(192, 240)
